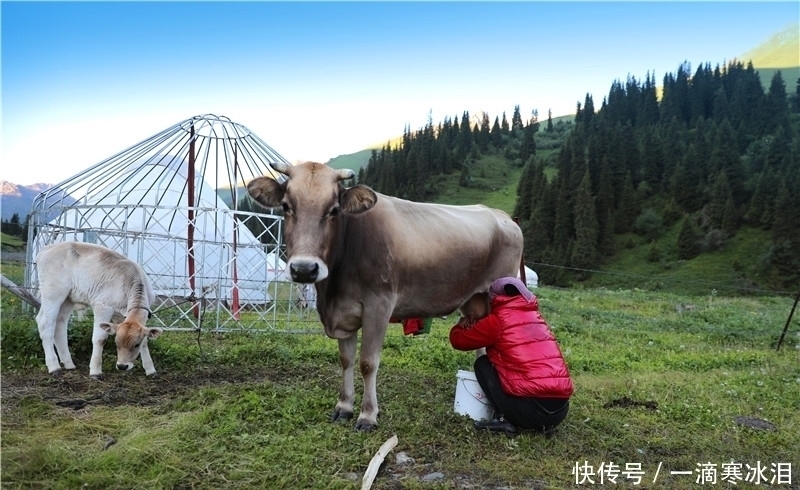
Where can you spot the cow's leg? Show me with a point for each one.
(347, 356)
(46, 320)
(99, 336)
(371, 347)
(62, 344)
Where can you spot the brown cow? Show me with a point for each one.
(373, 257)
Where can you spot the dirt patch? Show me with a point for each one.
(76, 390)
(754, 423)
(626, 402)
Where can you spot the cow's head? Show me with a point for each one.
(312, 198)
(130, 336)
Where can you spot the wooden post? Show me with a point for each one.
(21, 293)
(786, 327)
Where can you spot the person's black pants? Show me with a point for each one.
(541, 414)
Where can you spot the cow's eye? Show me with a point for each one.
(286, 208)
(136, 346)
(334, 212)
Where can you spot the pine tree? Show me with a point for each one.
(628, 209)
(688, 240)
(584, 252)
(653, 252)
(523, 208)
(652, 160)
(563, 226)
(497, 134)
(720, 193)
(536, 237)
(787, 211)
(607, 243)
(516, 120)
(776, 105)
(484, 137)
(648, 107)
(527, 148)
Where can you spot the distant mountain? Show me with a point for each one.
(778, 53)
(18, 199)
(353, 161)
(360, 159)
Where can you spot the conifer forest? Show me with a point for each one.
(712, 151)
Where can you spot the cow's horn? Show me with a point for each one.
(281, 167)
(345, 174)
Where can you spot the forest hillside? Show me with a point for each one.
(711, 162)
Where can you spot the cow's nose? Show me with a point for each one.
(305, 271)
(123, 367)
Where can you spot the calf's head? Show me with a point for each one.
(130, 337)
(314, 203)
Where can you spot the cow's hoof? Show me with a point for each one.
(364, 426)
(337, 416)
(153, 376)
(97, 377)
(57, 373)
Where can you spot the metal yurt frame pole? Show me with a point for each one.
(190, 226)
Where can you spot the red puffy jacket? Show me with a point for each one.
(521, 347)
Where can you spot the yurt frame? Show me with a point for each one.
(209, 269)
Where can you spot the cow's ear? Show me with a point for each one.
(266, 191)
(109, 328)
(357, 199)
(154, 333)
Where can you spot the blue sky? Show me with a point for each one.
(83, 81)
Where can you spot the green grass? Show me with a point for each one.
(11, 243)
(734, 269)
(248, 411)
(494, 184)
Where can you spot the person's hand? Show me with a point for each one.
(465, 322)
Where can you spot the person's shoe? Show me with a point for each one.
(496, 425)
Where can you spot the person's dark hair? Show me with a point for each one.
(511, 290)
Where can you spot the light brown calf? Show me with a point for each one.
(74, 275)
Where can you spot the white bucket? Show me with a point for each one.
(470, 398)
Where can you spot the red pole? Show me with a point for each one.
(190, 215)
(235, 292)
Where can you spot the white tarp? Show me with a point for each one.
(144, 214)
(531, 278)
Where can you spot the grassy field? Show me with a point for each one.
(660, 381)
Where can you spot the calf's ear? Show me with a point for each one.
(266, 191)
(154, 333)
(109, 328)
(357, 199)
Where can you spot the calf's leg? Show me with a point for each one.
(46, 321)
(61, 335)
(99, 336)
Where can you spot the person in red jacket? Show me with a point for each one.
(523, 372)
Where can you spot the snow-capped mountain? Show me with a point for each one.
(18, 199)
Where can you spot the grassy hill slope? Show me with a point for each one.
(732, 270)
(778, 53)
